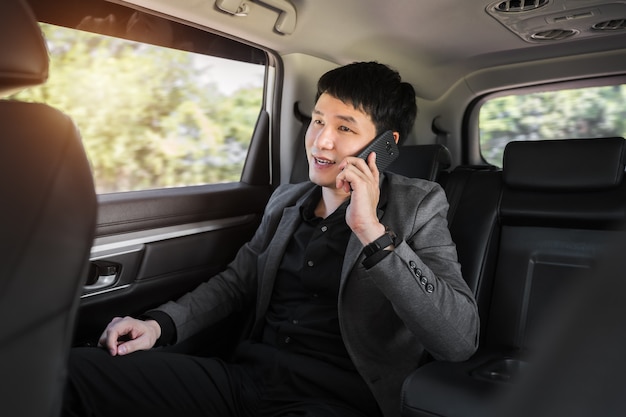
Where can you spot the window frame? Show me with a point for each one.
(473, 150)
(258, 166)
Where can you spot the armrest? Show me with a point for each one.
(461, 389)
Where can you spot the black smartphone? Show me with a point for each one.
(385, 147)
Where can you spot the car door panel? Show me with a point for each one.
(159, 245)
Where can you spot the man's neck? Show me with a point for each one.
(330, 201)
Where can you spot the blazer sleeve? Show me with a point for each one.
(422, 277)
(235, 288)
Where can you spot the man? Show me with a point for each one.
(353, 277)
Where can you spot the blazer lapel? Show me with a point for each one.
(353, 253)
(274, 254)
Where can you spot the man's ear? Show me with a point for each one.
(396, 136)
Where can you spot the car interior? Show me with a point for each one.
(48, 225)
(521, 120)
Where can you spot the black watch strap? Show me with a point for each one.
(379, 244)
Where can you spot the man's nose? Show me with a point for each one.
(325, 139)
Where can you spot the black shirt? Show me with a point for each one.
(302, 316)
(301, 341)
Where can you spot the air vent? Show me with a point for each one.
(519, 5)
(543, 21)
(554, 34)
(609, 25)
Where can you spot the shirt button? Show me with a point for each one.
(315, 295)
(294, 321)
(287, 340)
(310, 263)
(324, 228)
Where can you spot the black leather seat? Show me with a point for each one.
(533, 232)
(580, 372)
(47, 223)
(422, 161)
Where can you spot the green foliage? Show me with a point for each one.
(577, 113)
(149, 116)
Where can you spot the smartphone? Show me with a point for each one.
(385, 147)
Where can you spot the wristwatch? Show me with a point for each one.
(387, 239)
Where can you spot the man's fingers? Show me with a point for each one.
(111, 341)
(355, 169)
(125, 335)
(116, 330)
(132, 345)
(371, 163)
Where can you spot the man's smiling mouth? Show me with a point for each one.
(323, 161)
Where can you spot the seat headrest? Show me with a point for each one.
(23, 51)
(421, 161)
(566, 165)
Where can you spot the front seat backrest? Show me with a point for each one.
(47, 224)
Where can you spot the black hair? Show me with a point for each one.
(377, 90)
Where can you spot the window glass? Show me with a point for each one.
(152, 116)
(589, 112)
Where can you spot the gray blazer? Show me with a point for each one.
(413, 301)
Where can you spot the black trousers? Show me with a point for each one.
(260, 383)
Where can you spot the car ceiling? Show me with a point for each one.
(433, 43)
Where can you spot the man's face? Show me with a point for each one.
(337, 130)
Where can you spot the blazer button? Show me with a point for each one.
(430, 288)
(423, 281)
(415, 269)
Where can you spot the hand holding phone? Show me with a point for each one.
(385, 147)
(362, 208)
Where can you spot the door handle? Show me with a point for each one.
(102, 274)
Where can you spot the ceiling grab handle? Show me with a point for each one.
(286, 22)
(231, 6)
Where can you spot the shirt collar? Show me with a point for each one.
(307, 210)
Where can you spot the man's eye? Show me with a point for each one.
(344, 129)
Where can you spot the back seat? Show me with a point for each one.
(525, 236)
(428, 162)
(474, 194)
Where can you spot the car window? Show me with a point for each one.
(152, 116)
(589, 112)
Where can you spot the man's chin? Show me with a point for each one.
(322, 182)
